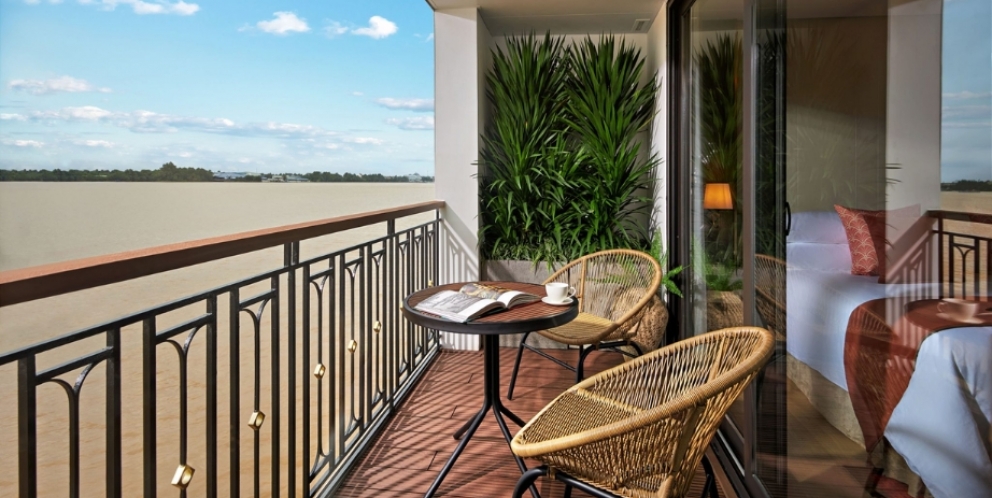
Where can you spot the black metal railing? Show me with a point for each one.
(268, 386)
(952, 249)
(965, 256)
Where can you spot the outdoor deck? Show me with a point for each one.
(410, 452)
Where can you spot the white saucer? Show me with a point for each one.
(973, 320)
(567, 301)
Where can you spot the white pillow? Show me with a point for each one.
(820, 257)
(820, 227)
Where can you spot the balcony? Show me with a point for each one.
(302, 380)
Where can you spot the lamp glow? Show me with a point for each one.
(717, 196)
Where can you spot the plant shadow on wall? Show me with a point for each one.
(563, 173)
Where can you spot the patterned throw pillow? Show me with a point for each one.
(865, 238)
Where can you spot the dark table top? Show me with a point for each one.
(522, 318)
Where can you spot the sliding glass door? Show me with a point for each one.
(818, 154)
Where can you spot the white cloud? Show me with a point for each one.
(95, 143)
(429, 37)
(66, 84)
(283, 23)
(413, 124)
(416, 105)
(142, 7)
(141, 121)
(967, 95)
(364, 140)
(378, 28)
(334, 29)
(25, 143)
(357, 94)
(973, 124)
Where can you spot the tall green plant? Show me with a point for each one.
(606, 108)
(526, 88)
(562, 172)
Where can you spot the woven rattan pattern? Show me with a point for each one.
(641, 428)
(769, 287)
(612, 285)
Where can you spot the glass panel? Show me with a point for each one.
(864, 111)
(715, 132)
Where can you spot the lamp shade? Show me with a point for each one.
(717, 196)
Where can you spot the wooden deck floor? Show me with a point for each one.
(408, 455)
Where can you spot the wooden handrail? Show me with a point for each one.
(961, 216)
(39, 282)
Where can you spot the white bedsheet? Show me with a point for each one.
(941, 425)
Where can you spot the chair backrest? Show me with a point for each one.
(613, 284)
(685, 389)
(769, 287)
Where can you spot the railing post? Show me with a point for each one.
(291, 257)
(149, 415)
(27, 427)
(114, 459)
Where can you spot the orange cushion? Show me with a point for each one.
(865, 238)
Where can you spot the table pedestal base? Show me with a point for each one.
(491, 402)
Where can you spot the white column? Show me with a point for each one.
(461, 56)
(913, 104)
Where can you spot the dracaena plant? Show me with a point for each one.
(607, 107)
(562, 174)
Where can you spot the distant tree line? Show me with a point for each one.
(967, 186)
(323, 176)
(167, 173)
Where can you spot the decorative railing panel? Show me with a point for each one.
(949, 248)
(268, 386)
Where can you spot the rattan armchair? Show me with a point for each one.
(641, 428)
(613, 288)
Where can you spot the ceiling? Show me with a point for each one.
(503, 17)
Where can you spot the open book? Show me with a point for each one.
(472, 301)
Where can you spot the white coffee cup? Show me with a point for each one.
(559, 291)
(958, 309)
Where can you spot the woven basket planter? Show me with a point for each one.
(723, 309)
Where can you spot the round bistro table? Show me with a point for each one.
(522, 318)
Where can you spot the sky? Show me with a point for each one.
(233, 85)
(966, 87)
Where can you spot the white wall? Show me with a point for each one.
(913, 103)
(460, 58)
(657, 64)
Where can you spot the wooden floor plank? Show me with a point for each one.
(418, 441)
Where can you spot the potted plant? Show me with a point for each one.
(561, 173)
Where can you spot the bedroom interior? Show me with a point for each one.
(831, 141)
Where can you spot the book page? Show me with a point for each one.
(454, 305)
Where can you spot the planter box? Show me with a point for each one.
(519, 271)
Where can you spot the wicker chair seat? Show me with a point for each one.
(585, 329)
(613, 288)
(640, 429)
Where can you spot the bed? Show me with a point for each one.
(940, 427)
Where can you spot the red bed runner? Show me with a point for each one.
(880, 351)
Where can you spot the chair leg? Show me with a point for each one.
(527, 480)
(580, 368)
(709, 487)
(516, 366)
(568, 491)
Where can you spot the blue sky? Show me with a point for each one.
(966, 131)
(283, 86)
